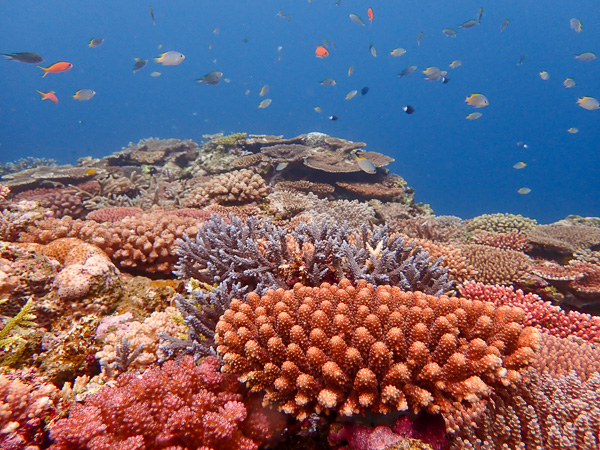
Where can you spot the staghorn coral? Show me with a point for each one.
(504, 241)
(179, 405)
(550, 413)
(27, 404)
(563, 239)
(261, 255)
(355, 350)
(237, 187)
(494, 265)
(200, 312)
(501, 223)
(543, 315)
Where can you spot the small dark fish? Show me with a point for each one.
(96, 42)
(521, 59)
(445, 79)
(522, 144)
(152, 15)
(211, 78)
(24, 57)
(245, 40)
(333, 117)
(469, 24)
(408, 109)
(139, 64)
(364, 90)
(480, 15)
(407, 71)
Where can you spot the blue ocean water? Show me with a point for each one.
(458, 166)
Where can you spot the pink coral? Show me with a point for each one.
(27, 403)
(181, 406)
(543, 315)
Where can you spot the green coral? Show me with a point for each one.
(501, 223)
(230, 140)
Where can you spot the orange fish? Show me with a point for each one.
(321, 52)
(56, 68)
(370, 14)
(49, 96)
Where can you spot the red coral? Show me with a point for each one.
(543, 315)
(180, 406)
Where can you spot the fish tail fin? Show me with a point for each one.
(45, 71)
(157, 59)
(39, 92)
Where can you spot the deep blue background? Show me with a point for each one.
(460, 167)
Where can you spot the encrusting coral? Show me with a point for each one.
(178, 406)
(355, 350)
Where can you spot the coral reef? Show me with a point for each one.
(358, 349)
(179, 405)
(328, 291)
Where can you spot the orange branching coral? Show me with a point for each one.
(494, 265)
(360, 349)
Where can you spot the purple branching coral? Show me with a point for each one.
(201, 312)
(261, 256)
